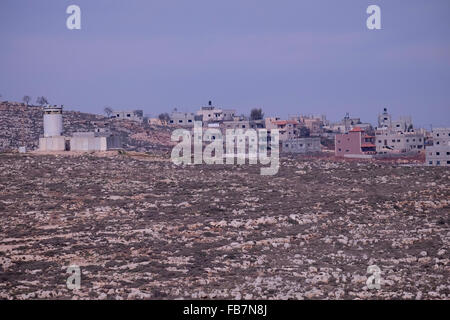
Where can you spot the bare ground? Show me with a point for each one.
(142, 228)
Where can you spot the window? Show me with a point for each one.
(393, 140)
(448, 162)
(438, 162)
(430, 162)
(437, 142)
(407, 140)
(339, 149)
(438, 153)
(128, 115)
(189, 120)
(398, 140)
(180, 121)
(448, 153)
(171, 121)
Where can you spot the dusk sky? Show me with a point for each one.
(287, 57)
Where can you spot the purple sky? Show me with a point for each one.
(288, 57)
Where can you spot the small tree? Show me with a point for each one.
(256, 114)
(164, 117)
(26, 99)
(41, 100)
(108, 111)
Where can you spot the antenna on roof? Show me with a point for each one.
(210, 102)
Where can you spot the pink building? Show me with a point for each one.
(355, 142)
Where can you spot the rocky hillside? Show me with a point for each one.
(21, 125)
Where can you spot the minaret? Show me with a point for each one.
(53, 122)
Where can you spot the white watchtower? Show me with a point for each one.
(53, 121)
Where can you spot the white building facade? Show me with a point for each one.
(439, 153)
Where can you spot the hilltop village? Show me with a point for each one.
(50, 128)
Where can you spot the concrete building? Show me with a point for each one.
(302, 145)
(94, 141)
(211, 113)
(289, 129)
(403, 124)
(134, 115)
(388, 141)
(314, 124)
(236, 124)
(355, 143)
(347, 124)
(185, 119)
(399, 136)
(53, 140)
(439, 153)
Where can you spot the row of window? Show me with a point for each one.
(301, 145)
(438, 162)
(398, 140)
(438, 153)
(181, 121)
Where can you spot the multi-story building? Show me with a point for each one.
(397, 136)
(388, 141)
(211, 113)
(403, 124)
(288, 129)
(354, 143)
(439, 153)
